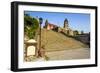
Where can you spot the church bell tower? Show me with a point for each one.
(66, 25)
(46, 23)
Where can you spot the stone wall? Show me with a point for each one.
(85, 38)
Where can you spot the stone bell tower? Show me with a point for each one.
(66, 25)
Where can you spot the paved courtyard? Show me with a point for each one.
(69, 54)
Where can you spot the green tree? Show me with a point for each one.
(82, 32)
(76, 32)
(31, 25)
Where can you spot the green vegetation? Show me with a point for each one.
(47, 58)
(76, 32)
(31, 25)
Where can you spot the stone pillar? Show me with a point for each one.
(30, 48)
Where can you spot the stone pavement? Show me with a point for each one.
(82, 53)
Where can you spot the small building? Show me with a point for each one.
(50, 26)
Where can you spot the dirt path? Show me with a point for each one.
(82, 53)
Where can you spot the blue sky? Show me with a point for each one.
(77, 21)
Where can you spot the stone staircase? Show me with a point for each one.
(55, 41)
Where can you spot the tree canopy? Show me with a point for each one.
(76, 32)
(31, 26)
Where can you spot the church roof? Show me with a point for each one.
(52, 24)
(66, 20)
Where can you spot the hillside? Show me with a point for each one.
(55, 41)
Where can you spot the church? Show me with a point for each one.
(50, 26)
(65, 29)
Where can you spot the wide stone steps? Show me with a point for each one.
(54, 41)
